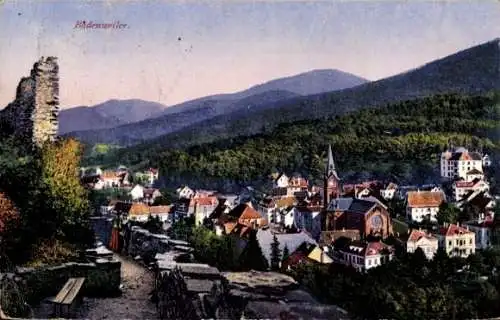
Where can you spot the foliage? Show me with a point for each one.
(275, 254)
(154, 224)
(98, 198)
(411, 287)
(252, 257)
(400, 141)
(53, 252)
(286, 253)
(181, 229)
(9, 217)
(66, 195)
(448, 213)
(44, 187)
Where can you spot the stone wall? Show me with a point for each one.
(32, 116)
(102, 279)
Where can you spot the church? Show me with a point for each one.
(364, 217)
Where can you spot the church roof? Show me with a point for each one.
(355, 205)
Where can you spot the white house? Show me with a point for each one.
(267, 208)
(457, 163)
(474, 174)
(363, 256)
(463, 188)
(185, 192)
(137, 192)
(281, 181)
(420, 239)
(153, 174)
(421, 204)
(389, 191)
(457, 241)
(306, 218)
(486, 161)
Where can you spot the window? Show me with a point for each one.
(449, 243)
(470, 241)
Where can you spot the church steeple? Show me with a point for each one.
(331, 180)
(330, 165)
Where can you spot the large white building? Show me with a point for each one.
(364, 256)
(457, 241)
(460, 162)
(422, 204)
(463, 188)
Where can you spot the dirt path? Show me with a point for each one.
(133, 304)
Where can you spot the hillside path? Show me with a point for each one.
(132, 304)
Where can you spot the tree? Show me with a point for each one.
(447, 213)
(66, 196)
(275, 254)
(252, 258)
(286, 253)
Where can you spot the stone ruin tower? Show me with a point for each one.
(32, 116)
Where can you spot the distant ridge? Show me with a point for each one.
(177, 117)
(108, 114)
(471, 71)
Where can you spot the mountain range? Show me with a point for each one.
(142, 120)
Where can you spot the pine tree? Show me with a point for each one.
(252, 258)
(275, 254)
(286, 253)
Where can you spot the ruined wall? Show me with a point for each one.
(32, 116)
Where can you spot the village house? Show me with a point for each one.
(203, 207)
(457, 241)
(486, 161)
(304, 217)
(292, 241)
(306, 253)
(161, 212)
(107, 207)
(389, 192)
(423, 204)
(137, 192)
(462, 188)
(243, 214)
(138, 212)
(185, 192)
(483, 232)
(150, 194)
(459, 162)
(147, 195)
(481, 202)
(425, 241)
(284, 186)
(267, 208)
(364, 255)
(153, 175)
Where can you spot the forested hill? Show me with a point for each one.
(402, 139)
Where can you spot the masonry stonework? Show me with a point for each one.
(32, 116)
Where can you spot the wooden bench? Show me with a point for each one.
(67, 295)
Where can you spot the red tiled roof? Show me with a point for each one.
(109, 175)
(419, 199)
(452, 230)
(464, 184)
(204, 201)
(153, 170)
(416, 235)
(159, 209)
(139, 208)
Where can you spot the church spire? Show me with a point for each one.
(330, 165)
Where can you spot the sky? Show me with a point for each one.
(174, 51)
